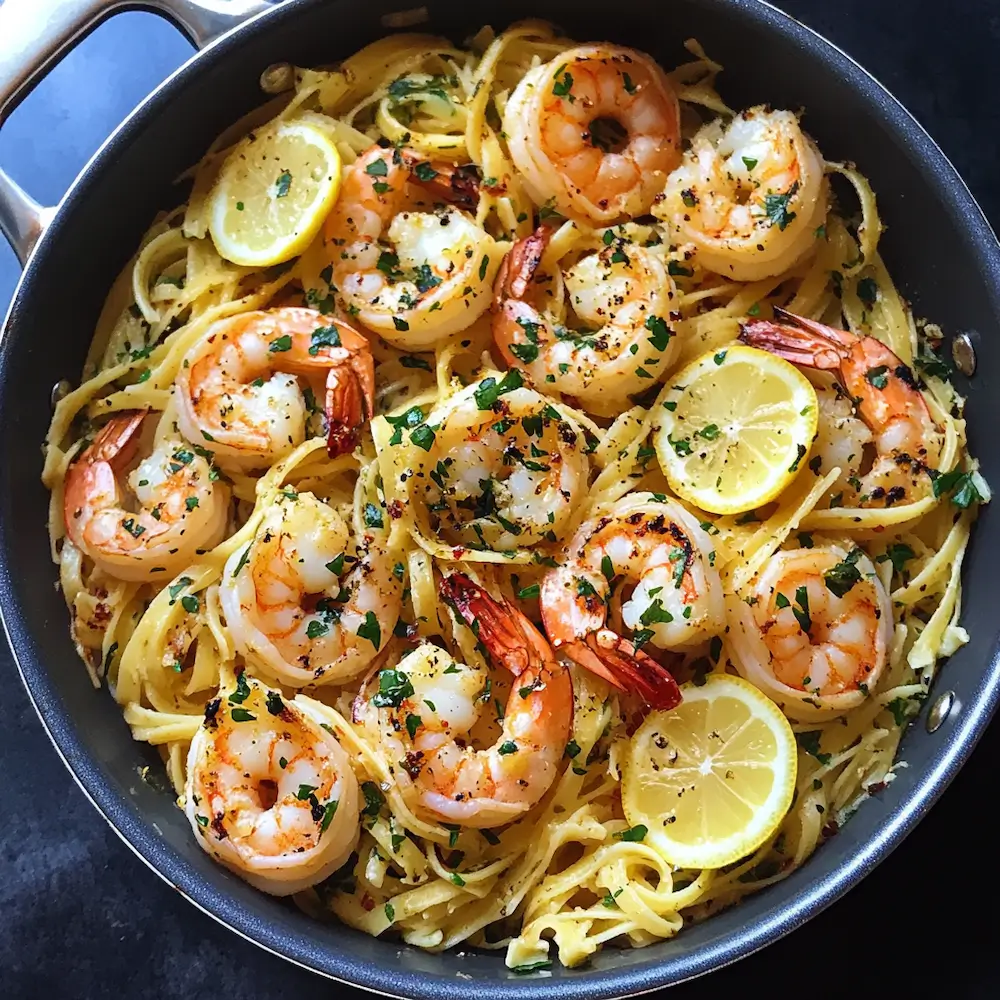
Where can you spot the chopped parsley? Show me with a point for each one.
(810, 743)
(659, 333)
(369, 629)
(776, 207)
(562, 83)
(489, 390)
(841, 578)
(323, 336)
(877, 376)
(393, 687)
(283, 185)
(961, 485)
(898, 554)
(633, 834)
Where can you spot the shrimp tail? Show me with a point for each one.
(350, 403)
(623, 666)
(117, 440)
(507, 635)
(519, 266)
(457, 185)
(798, 340)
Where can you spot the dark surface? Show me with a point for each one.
(82, 917)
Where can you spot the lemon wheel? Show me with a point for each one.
(712, 779)
(273, 192)
(734, 429)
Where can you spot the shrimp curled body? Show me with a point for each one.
(908, 443)
(749, 196)
(270, 793)
(659, 549)
(424, 710)
(622, 297)
(299, 605)
(406, 259)
(179, 509)
(505, 471)
(555, 123)
(814, 633)
(239, 388)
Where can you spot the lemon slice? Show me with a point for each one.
(734, 429)
(273, 192)
(712, 779)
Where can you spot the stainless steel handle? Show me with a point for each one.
(35, 34)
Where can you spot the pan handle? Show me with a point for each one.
(37, 34)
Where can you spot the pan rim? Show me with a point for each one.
(310, 951)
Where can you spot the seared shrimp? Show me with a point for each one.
(505, 469)
(622, 300)
(178, 509)
(908, 443)
(270, 793)
(595, 132)
(842, 439)
(749, 195)
(659, 549)
(239, 385)
(300, 604)
(814, 631)
(407, 261)
(424, 709)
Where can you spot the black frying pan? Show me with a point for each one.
(938, 246)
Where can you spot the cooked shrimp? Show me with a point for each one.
(621, 297)
(749, 196)
(407, 261)
(179, 509)
(239, 385)
(303, 605)
(908, 443)
(425, 708)
(595, 132)
(504, 469)
(270, 793)
(814, 631)
(655, 546)
(842, 439)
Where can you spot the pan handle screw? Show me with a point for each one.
(277, 78)
(964, 354)
(60, 390)
(940, 711)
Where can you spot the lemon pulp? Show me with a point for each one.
(712, 779)
(273, 192)
(735, 428)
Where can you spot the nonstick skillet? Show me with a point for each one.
(938, 246)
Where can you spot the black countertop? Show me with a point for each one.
(80, 916)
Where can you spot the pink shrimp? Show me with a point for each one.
(884, 390)
(239, 388)
(425, 707)
(178, 510)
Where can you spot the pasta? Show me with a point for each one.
(502, 449)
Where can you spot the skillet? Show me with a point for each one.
(938, 246)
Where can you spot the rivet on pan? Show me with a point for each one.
(61, 389)
(405, 18)
(277, 78)
(964, 354)
(940, 710)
